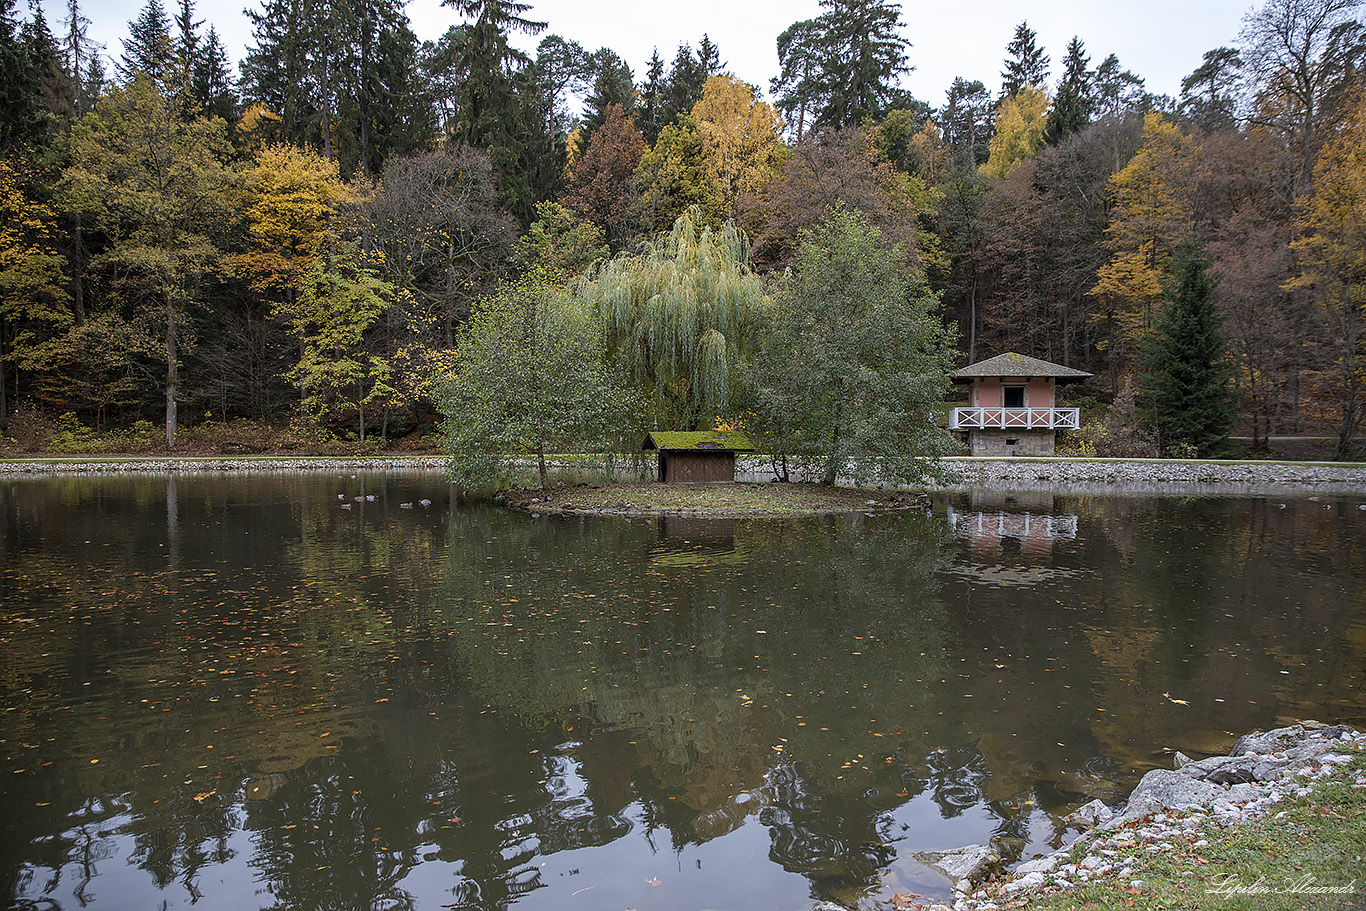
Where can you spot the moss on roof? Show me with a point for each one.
(1018, 365)
(704, 440)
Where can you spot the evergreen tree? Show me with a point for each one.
(1185, 385)
(613, 85)
(966, 119)
(185, 44)
(149, 48)
(863, 56)
(686, 81)
(497, 105)
(1027, 64)
(54, 91)
(211, 82)
(1117, 90)
(798, 90)
(1075, 101)
(79, 54)
(709, 57)
(1208, 95)
(20, 117)
(488, 62)
(650, 114)
(274, 71)
(561, 66)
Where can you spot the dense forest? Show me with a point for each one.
(306, 236)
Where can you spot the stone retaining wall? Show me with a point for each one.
(1099, 476)
(1154, 476)
(208, 466)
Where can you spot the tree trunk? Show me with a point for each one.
(4, 403)
(832, 464)
(972, 322)
(545, 476)
(172, 374)
(77, 261)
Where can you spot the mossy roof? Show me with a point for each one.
(701, 441)
(1018, 365)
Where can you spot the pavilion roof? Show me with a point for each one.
(1018, 365)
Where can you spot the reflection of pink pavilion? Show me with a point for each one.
(1010, 411)
(988, 530)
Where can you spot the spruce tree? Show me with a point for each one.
(1075, 102)
(1184, 389)
(20, 116)
(149, 47)
(1027, 63)
(863, 57)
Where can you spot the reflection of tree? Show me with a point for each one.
(483, 690)
(724, 673)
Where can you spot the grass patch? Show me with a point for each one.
(1309, 853)
(708, 499)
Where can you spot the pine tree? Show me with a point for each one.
(148, 48)
(966, 119)
(55, 92)
(20, 118)
(686, 80)
(1075, 102)
(1185, 385)
(613, 85)
(1027, 64)
(798, 90)
(650, 115)
(863, 56)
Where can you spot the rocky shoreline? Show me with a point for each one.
(1061, 475)
(1154, 476)
(207, 465)
(1170, 813)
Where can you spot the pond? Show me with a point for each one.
(350, 692)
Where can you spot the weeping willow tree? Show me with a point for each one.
(679, 317)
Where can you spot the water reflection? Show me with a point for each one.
(239, 693)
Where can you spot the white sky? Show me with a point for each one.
(1160, 40)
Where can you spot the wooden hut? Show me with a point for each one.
(702, 457)
(1011, 407)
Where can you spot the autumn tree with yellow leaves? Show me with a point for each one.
(740, 137)
(1332, 258)
(1152, 213)
(33, 295)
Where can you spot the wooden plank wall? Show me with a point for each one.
(697, 467)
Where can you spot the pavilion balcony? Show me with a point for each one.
(1015, 419)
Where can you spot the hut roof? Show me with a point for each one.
(1019, 365)
(699, 441)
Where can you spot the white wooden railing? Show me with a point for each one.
(1022, 418)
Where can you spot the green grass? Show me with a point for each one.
(740, 499)
(1311, 843)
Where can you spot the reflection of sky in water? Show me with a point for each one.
(467, 708)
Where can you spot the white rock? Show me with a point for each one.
(1028, 881)
(1046, 864)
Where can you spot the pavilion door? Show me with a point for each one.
(1013, 396)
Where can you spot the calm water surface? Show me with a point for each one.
(241, 693)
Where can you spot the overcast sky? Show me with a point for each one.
(1160, 40)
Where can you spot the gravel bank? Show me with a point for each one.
(1142, 476)
(213, 466)
(1100, 476)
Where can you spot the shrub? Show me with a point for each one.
(72, 437)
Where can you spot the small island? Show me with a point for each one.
(713, 500)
